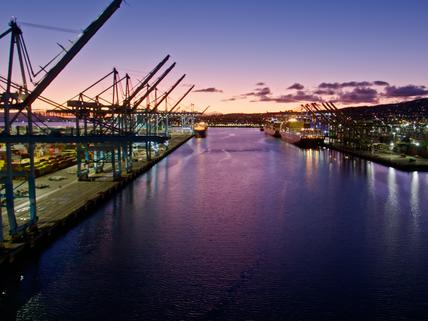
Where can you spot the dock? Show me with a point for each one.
(401, 162)
(61, 204)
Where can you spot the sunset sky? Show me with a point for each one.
(243, 56)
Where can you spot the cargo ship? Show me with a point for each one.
(299, 133)
(272, 127)
(200, 129)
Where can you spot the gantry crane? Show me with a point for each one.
(20, 102)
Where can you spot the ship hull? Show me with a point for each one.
(303, 142)
(273, 132)
(200, 133)
(200, 129)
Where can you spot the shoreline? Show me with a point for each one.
(234, 126)
(58, 224)
(393, 160)
(406, 163)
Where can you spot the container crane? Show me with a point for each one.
(86, 35)
(10, 101)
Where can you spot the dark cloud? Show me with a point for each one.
(208, 90)
(303, 96)
(350, 92)
(300, 96)
(327, 85)
(336, 85)
(260, 84)
(230, 99)
(405, 91)
(258, 92)
(327, 92)
(359, 95)
(296, 86)
(380, 83)
(284, 99)
(262, 98)
(262, 91)
(355, 84)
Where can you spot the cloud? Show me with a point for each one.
(208, 90)
(327, 92)
(355, 84)
(258, 92)
(380, 83)
(359, 95)
(336, 85)
(230, 99)
(281, 99)
(260, 84)
(350, 92)
(262, 98)
(327, 85)
(262, 91)
(300, 96)
(296, 86)
(303, 96)
(405, 91)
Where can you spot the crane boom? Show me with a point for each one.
(146, 80)
(335, 111)
(205, 110)
(182, 97)
(169, 91)
(87, 34)
(161, 77)
(6, 33)
(332, 105)
(318, 109)
(314, 105)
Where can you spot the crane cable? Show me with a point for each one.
(53, 28)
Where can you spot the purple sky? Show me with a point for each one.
(243, 56)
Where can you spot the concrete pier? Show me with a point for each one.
(61, 203)
(399, 161)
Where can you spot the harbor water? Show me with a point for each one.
(239, 226)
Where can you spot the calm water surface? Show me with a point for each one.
(240, 226)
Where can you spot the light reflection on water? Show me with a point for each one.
(240, 226)
(414, 194)
(392, 206)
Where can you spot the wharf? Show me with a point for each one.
(402, 162)
(63, 203)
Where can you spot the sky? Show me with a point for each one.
(242, 56)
